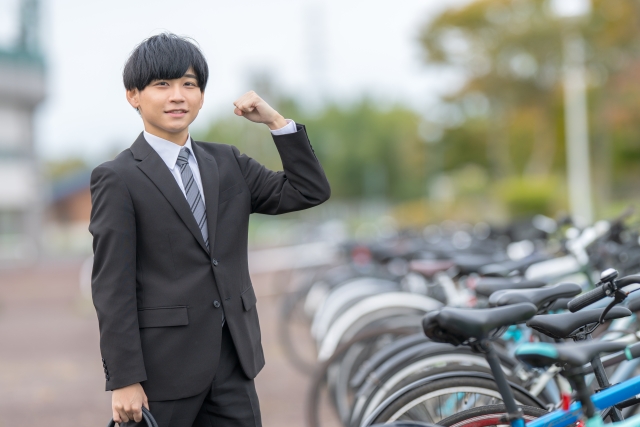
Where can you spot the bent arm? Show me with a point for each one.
(301, 185)
(113, 281)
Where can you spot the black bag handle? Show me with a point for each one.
(146, 417)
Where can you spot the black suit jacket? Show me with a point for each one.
(156, 289)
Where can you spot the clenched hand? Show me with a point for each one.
(127, 403)
(254, 108)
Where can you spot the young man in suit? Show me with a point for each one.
(179, 330)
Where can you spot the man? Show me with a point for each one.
(179, 330)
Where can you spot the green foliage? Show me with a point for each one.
(511, 53)
(526, 196)
(369, 152)
(366, 151)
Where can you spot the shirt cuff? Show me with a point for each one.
(290, 127)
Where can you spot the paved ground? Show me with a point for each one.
(50, 369)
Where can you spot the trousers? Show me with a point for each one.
(231, 401)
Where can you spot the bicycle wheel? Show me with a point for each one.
(488, 416)
(436, 358)
(436, 400)
(293, 326)
(320, 379)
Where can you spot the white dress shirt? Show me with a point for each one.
(168, 152)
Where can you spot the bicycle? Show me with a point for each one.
(476, 329)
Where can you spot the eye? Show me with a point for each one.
(191, 84)
(162, 84)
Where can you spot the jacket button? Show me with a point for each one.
(216, 304)
(107, 377)
(214, 262)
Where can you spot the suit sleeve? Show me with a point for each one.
(301, 185)
(113, 281)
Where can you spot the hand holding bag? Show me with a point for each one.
(146, 417)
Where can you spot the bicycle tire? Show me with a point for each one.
(289, 307)
(486, 416)
(368, 408)
(399, 408)
(369, 399)
(312, 401)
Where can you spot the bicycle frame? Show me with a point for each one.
(606, 398)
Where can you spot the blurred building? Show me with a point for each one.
(22, 88)
(66, 218)
(70, 202)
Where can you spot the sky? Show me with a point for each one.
(329, 49)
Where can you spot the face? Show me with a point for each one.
(168, 107)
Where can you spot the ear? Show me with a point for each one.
(201, 100)
(133, 96)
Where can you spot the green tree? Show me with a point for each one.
(366, 151)
(370, 152)
(510, 54)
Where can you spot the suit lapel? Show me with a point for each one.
(209, 174)
(153, 166)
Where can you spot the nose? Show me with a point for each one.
(176, 94)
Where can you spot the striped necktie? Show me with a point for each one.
(194, 198)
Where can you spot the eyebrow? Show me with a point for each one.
(193, 76)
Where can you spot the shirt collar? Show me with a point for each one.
(167, 150)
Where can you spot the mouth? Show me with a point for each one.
(178, 112)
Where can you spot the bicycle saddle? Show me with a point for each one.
(541, 355)
(429, 267)
(485, 286)
(457, 325)
(506, 267)
(471, 263)
(562, 325)
(538, 297)
(633, 304)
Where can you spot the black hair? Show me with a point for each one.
(164, 56)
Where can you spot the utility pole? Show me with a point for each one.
(577, 130)
(571, 12)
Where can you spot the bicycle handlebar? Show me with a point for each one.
(627, 281)
(581, 301)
